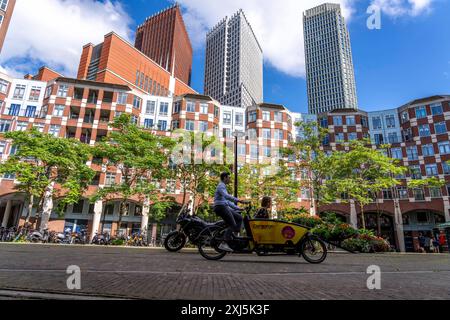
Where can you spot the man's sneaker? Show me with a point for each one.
(225, 247)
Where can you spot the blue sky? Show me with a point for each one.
(408, 58)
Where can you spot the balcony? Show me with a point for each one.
(89, 116)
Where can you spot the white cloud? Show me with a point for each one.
(278, 25)
(53, 32)
(396, 8)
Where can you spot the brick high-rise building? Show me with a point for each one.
(163, 38)
(6, 11)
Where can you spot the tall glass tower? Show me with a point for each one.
(329, 63)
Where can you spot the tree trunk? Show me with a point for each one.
(47, 207)
(30, 209)
(363, 219)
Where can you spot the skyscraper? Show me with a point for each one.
(164, 39)
(329, 63)
(6, 11)
(234, 63)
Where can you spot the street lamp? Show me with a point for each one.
(236, 135)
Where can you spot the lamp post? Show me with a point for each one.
(237, 135)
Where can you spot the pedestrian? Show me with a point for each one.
(436, 244)
(421, 243)
(441, 241)
(263, 212)
(426, 243)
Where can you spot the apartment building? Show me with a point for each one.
(6, 12)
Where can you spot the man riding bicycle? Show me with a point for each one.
(225, 207)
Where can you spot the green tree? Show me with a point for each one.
(360, 174)
(42, 162)
(142, 160)
(196, 162)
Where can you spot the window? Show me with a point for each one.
(122, 98)
(216, 112)
(162, 125)
(48, 91)
(337, 120)
(254, 153)
(340, 137)
(63, 91)
(190, 106)
(227, 133)
(242, 150)
(252, 134)
(204, 108)
(387, 194)
(39, 127)
(415, 172)
(390, 121)
(203, 126)
(59, 110)
(190, 125)
(110, 179)
(402, 193)
(407, 135)
(239, 119)
(148, 123)
(19, 91)
(424, 130)
(431, 170)
(54, 130)
(78, 93)
(279, 134)
(446, 167)
(435, 192)
(393, 137)
(3, 4)
(397, 153)
(404, 117)
(376, 123)
(278, 116)
(436, 109)
(2, 147)
(175, 124)
(444, 147)
(448, 189)
(252, 116)
(267, 152)
(323, 123)
(35, 93)
(227, 118)
(21, 126)
(350, 120)
(421, 112)
(428, 150)
(419, 195)
(411, 153)
(163, 108)
(364, 122)
(177, 107)
(267, 134)
(4, 86)
(352, 136)
(266, 115)
(379, 138)
(137, 102)
(14, 110)
(440, 128)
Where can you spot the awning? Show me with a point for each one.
(443, 225)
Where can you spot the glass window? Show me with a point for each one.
(419, 195)
(390, 121)
(190, 106)
(266, 115)
(337, 120)
(440, 128)
(267, 152)
(227, 133)
(424, 130)
(412, 153)
(35, 93)
(393, 137)
(267, 134)
(278, 116)
(150, 107)
(415, 172)
(63, 91)
(4, 86)
(252, 134)
(2, 147)
(254, 153)
(163, 108)
(137, 102)
(324, 122)
(352, 136)
(204, 108)
(203, 126)
(39, 127)
(162, 125)
(279, 134)
(444, 147)
(436, 109)
(397, 153)
(110, 179)
(177, 107)
(376, 123)
(379, 138)
(175, 124)
(431, 170)
(239, 119)
(14, 109)
(54, 130)
(242, 150)
(404, 117)
(435, 192)
(227, 118)
(21, 126)
(427, 150)
(148, 123)
(350, 120)
(446, 167)
(122, 98)
(402, 193)
(190, 125)
(59, 110)
(421, 112)
(252, 116)
(19, 91)
(340, 137)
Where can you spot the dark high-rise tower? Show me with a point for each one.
(164, 39)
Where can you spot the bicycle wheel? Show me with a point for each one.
(208, 244)
(314, 250)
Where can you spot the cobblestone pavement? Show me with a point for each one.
(108, 272)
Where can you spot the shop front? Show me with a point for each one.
(418, 227)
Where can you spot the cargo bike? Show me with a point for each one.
(264, 237)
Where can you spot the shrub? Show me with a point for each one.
(118, 242)
(304, 219)
(366, 244)
(339, 232)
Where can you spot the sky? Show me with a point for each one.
(407, 58)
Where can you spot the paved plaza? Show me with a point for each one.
(39, 271)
